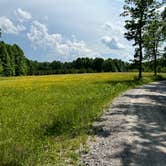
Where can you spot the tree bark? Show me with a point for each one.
(140, 50)
(140, 62)
(155, 63)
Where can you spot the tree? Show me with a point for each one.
(138, 12)
(107, 65)
(5, 59)
(153, 36)
(1, 66)
(164, 30)
(97, 64)
(151, 43)
(19, 60)
(164, 23)
(12, 60)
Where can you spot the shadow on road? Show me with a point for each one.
(148, 127)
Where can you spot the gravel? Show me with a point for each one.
(133, 130)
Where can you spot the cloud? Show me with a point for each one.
(22, 14)
(8, 26)
(112, 43)
(39, 36)
(116, 31)
(69, 49)
(116, 28)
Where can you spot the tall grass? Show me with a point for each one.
(43, 120)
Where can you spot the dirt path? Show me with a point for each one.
(133, 131)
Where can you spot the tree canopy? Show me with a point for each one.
(144, 28)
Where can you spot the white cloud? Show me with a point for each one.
(39, 36)
(112, 43)
(22, 14)
(114, 29)
(69, 49)
(113, 33)
(8, 26)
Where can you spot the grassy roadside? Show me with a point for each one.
(43, 120)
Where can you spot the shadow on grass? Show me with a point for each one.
(65, 127)
(129, 83)
(114, 82)
(135, 81)
(58, 128)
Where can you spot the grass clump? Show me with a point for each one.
(45, 119)
(159, 77)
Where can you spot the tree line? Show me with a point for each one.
(80, 65)
(14, 63)
(146, 26)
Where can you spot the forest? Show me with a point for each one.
(14, 63)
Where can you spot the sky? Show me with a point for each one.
(64, 30)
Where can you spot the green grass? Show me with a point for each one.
(44, 120)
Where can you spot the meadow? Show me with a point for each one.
(45, 119)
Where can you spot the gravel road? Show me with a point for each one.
(133, 130)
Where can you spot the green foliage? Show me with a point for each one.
(12, 60)
(153, 36)
(1, 69)
(20, 61)
(139, 12)
(158, 78)
(163, 70)
(164, 23)
(80, 65)
(5, 60)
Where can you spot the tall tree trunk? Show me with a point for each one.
(140, 55)
(140, 47)
(155, 63)
(140, 62)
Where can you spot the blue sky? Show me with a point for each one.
(63, 30)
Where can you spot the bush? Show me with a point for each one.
(159, 78)
(163, 70)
